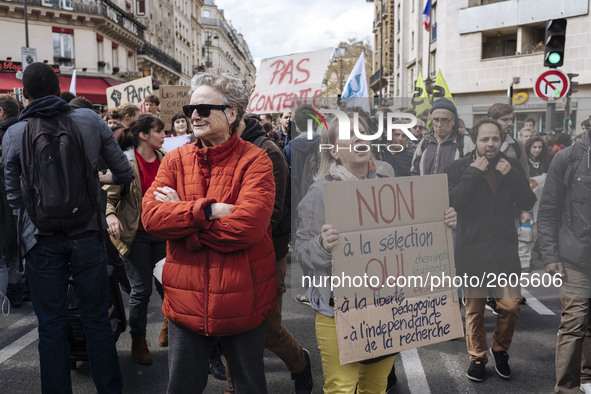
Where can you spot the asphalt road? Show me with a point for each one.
(439, 368)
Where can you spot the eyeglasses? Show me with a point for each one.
(203, 110)
(441, 121)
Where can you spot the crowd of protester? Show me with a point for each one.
(219, 211)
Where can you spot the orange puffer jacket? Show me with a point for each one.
(219, 276)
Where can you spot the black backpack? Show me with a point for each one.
(58, 183)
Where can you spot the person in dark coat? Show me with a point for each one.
(484, 188)
(564, 223)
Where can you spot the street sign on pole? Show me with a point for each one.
(552, 85)
(28, 56)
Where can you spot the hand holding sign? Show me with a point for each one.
(330, 237)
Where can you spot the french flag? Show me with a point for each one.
(427, 15)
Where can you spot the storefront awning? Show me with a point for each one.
(93, 89)
(8, 81)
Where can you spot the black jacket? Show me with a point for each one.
(280, 220)
(564, 217)
(486, 235)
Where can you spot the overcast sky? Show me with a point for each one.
(281, 27)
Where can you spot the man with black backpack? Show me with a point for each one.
(50, 163)
(564, 230)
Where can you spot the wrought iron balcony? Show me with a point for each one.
(160, 56)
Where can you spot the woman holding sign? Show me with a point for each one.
(315, 241)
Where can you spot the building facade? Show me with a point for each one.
(485, 48)
(109, 42)
(223, 46)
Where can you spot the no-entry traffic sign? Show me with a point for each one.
(552, 85)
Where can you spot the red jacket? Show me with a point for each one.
(219, 276)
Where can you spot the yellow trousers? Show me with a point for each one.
(342, 379)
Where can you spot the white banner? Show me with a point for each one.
(284, 82)
(133, 92)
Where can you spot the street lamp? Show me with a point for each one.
(340, 53)
(207, 45)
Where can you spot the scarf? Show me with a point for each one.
(338, 171)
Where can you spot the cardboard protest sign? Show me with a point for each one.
(286, 81)
(392, 234)
(172, 99)
(171, 143)
(133, 92)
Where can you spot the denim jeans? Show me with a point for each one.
(144, 253)
(49, 266)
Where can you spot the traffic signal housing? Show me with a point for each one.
(573, 84)
(554, 43)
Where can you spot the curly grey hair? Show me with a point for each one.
(231, 90)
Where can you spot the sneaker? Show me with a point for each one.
(586, 388)
(303, 381)
(523, 300)
(302, 299)
(140, 352)
(501, 363)
(476, 371)
(491, 305)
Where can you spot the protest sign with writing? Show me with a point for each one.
(286, 81)
(172, 99)
(133, 92)
(391, 233)
(171, 143)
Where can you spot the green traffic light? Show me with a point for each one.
(554, 58)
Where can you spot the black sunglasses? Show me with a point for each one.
(203, 110)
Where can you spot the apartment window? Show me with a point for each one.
(432, 63)
(130, 61)
(140, 7)
(433, 23)
(61, 4)
(532, 38)
(115, 55)
(497, 44)
(412, 40)
(63, 46)
(100, 52)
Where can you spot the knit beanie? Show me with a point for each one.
(444, 103)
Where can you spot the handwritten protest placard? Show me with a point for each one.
(133, 92)
(286, 81)
(394, 265)
(171, 143)
(172, 99)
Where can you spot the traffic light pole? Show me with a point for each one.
(554, 57)
(566, 127)
(550, 116)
